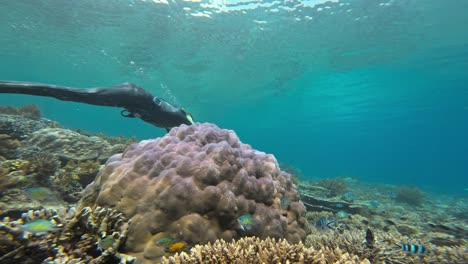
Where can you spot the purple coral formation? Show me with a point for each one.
(192, 185)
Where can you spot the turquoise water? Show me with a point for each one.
(372, 89)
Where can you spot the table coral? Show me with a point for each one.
(192, 185)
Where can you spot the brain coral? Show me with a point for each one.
(192, 185)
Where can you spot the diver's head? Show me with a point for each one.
(188, 116)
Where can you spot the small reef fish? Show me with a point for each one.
(415, 249)
(39, 193)
(324, 223)
(105, 243)
(245, 222)
(442, 205)
(165, 241)
(178, 246)
(342, 215)
(38, 227)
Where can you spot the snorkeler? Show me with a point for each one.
(136, 101)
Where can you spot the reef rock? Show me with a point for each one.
(20, 127)
(191, 186)
(70, 145)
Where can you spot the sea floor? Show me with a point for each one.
(45, 167)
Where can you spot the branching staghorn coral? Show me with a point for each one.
(99, 230)
(31, 237)
(257, 251)
(64, 236)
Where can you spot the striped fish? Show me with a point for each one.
(324, 223)
(415, 249)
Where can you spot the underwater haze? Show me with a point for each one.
(371, 89)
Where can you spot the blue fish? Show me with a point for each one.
(374, 204)
(415, 249)
(324, 223)
(245, 222)
(285, 202)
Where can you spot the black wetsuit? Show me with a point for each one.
(136, 101)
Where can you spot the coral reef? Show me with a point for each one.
(19, 245)
(385, 248)
(192, 185)
(60, 161)
(70, 145)
(64, 236)
(323, 204)
(44, 164)
(120, 141)
(335, 186)
(30, 111)
(8, 146)
(296, 173)
(256, 251)
(20, 127)
(199, 185)
(104, 230)
(410, 195)
(318, 198)
(84, 170)
(375, 208)
(70, 180)
(12, 173)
